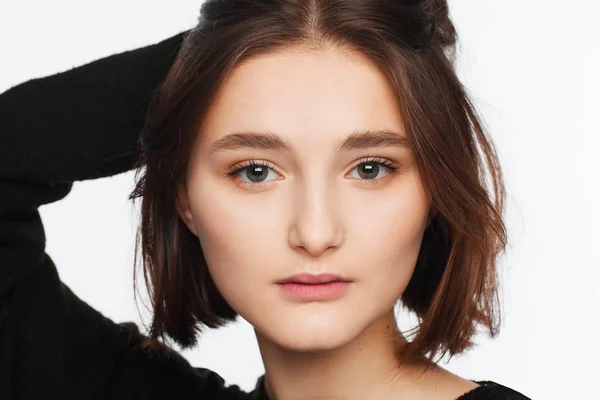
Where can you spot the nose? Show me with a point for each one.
(316, 226)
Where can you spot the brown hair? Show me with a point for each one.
(455, 286)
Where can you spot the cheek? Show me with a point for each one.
(232, 243)
(391, 264)
(390, 240)
(223, 228)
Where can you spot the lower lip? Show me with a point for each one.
(314, 292)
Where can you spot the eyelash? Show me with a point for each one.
(392, 166)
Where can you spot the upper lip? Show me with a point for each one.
(313, 279)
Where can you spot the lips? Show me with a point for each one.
(311, 288)
(309, 279)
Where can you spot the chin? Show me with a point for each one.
(311, 337)
(310, 344)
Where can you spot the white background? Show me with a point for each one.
(532, 67)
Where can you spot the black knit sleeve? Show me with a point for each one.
(82, 123)
(76, 125)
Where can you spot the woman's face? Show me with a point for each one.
(316, 207)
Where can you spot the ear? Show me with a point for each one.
(182, 203)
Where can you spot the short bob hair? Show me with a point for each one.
(455, 284)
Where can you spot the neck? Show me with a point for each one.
(367, 367)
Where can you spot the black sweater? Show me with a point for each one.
(72, 126)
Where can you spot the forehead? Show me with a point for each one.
(303, 95)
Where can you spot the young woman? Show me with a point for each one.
(303, 164)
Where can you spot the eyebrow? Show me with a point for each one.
(357, 140)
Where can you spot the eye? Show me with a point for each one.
(369, 168)
(257, 171)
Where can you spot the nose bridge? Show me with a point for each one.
(316, 226)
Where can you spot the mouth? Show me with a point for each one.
(308, 287)
(313, 279)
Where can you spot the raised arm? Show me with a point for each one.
(82, 123)
(75, 125)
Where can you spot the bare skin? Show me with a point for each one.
(371, 363)
(314, 213)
